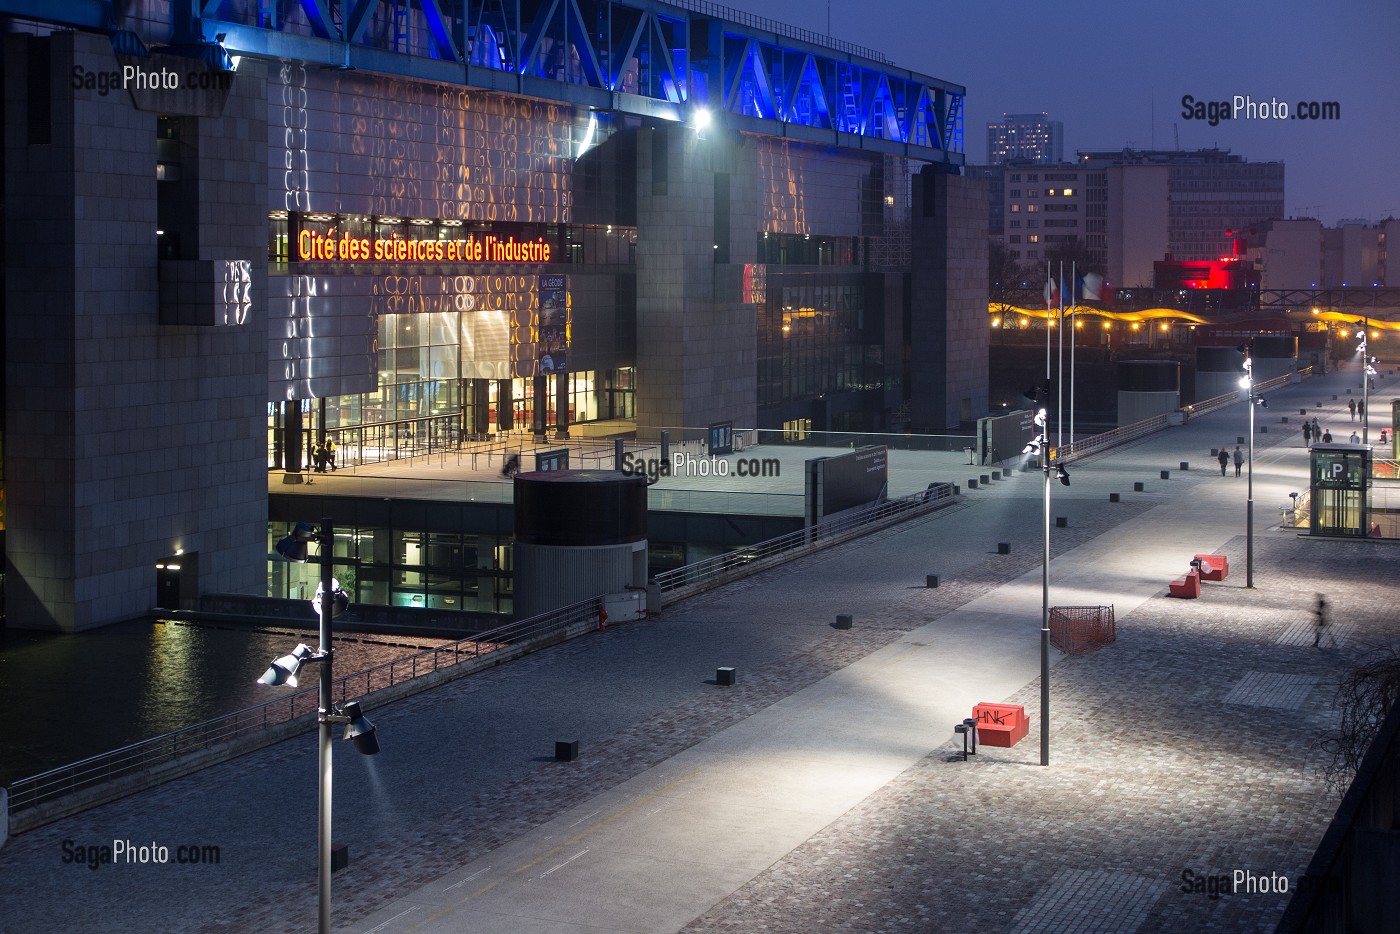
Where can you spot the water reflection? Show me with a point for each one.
(67, 697)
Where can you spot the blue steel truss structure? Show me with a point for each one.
(662, 60)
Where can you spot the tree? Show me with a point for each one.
(1073, 253)
(1364, 697)
(1003, 272)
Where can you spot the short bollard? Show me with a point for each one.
(931, 580)
(957, 490)
(1334, 396)
(1214, 452)
(996, 474)
(1139, 487)
(961, 729)
(724, 677)
(1284, 420)
(971, 724)
(843, 621)
(1239, 439)
(340, 856)
(1114, 498)
(1185, 465)
(1166, 475)
(1062, 522)
(1302, 411)
(971, 484)
(565, 751)
(985, 478)
(1003, 548)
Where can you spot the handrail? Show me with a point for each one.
(738, 560)
(169, 747)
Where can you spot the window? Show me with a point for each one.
(1015, 192)
(1016, 177)
(1033, 238)
(1033, 193)
(1015, 224)
(1033, 177)
(1032, 208)
(1068, 192)
(1015, 238)
(1015, 208)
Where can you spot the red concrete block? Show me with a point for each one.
(1001, 724)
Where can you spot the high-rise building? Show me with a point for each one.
(1189, 204)
(1030, 137)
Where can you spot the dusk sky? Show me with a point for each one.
(1098, 66)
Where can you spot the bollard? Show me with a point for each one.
(931, 580)
(1214, 452)
(1003, 548)
(1166, 475)
(1185, 465)
(1139, 487)
(1061, 522)
(725, 677)
(996, 474)
(1284, 420)
(340, 856)
(957, 490)
(1302, 411)
(1263, 429)
(843, 621)
(565, 751)
(985, 479)
(1334, 396)
(1239, 439)
(971, 484)
(1113, 498)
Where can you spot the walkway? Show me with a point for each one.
(816, 794)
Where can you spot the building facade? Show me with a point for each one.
(1027, 138)
(201, 287)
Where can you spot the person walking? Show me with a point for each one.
(1355, 438)
(1327, 437)
(1307, 434)
(1361, 410)
(330, 453)
(1224, 458)
(1317, 432)
(1351, 407)
(1239, 460)
(1321, 613)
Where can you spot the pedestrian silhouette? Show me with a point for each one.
(1239, 460)
(1326, 437)
(1321, 612)
(1307, 434)
(1224, 458)
(1351, 407)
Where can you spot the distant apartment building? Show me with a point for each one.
(1026, 138)
(1189, 204)
(1299, 253)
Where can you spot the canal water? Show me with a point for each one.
(67, 697)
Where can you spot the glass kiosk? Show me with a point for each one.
(1341, 479)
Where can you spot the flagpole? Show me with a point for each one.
(1073, 278)
(1049, 306)
(1060, 368)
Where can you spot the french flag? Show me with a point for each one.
(1052, 294)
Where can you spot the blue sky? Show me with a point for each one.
(1099, 66)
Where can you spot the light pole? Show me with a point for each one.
(329, 602)
(1040, 446)
(1368, 370)
(1247, 382)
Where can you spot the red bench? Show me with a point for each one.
(1213, 567)
(1189, 587)
(1001, 724)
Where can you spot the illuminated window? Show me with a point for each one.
(1032, 208)
(1068, 192)
(1015, 209)
(1033, 238)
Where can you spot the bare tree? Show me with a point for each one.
(1364, 697)
(1003, 272)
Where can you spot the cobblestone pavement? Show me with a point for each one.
(1190, 743)
(1157, 769)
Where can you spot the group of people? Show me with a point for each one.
(1311, 433)
(1225, 457)
(1356, 408)
(323, 455)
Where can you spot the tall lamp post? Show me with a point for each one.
(1247, 383)
(330, 601)
(1368, 370)
(1040, 446)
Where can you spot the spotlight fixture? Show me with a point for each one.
(1039, 419)
(293, 547)
(701, 118)
(1261, 402)
(359, 730)
(284, 670)
(1062, 475)
(339, 601)
(1035, 445)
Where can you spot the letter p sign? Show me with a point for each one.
(1339, 470)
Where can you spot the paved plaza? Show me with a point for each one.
(817, 794)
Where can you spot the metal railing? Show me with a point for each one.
(1109, 439)
(774, 26)
(159, 755)
(750, 558)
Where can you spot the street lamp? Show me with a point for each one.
(1040, 445)
(284, 671)
(1368, 370)
(1247, 383)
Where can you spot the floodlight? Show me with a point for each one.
(339, 600)
(1062, 475)
(1245, 381)
(1039, 419)
(293, 547)
(284, 670)
(360, 730)
(1261, 402)
(1034, 445)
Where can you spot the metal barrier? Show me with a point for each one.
(156, 756)
(1109, 439)
(751, 558)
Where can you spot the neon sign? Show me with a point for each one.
(313, 246)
